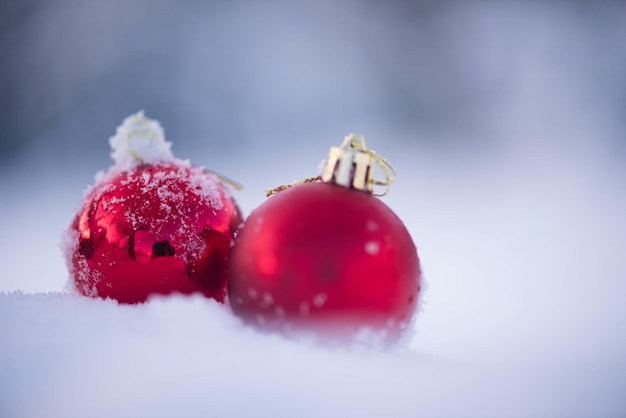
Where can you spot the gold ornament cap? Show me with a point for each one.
(351, 165)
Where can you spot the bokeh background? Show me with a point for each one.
(233, 77)
(506, 122)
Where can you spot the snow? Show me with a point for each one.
(319, 300)
(372, 247)
(139, 140)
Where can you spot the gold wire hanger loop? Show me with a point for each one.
(362, 159)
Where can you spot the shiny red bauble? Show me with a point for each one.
(322, 257)
(153, 229)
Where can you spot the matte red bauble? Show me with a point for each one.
(328, 257)
(152, 225)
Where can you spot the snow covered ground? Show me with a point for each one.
(524, 314)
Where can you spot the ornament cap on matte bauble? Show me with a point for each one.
(351, 165)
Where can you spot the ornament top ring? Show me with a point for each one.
(351, 165)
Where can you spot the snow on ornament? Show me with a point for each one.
(328, 258)
(153, 224)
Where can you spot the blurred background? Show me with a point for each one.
(232, 77)
(506, 122)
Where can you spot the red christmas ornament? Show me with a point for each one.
(328, 257)
(152, 225)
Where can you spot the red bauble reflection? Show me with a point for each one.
(319, 256)
(155, 229)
